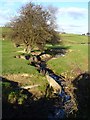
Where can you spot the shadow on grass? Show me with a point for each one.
(54, 50)
(82, 93)
(31, 108)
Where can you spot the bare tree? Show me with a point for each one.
(35, 26)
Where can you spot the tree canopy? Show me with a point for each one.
(34, 26)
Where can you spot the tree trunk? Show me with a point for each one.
(28, 49)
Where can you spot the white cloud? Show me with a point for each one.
(7, 11)
(73, 20)
(73, 28)
(74, 12)
(66, 15)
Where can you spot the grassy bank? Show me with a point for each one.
(75, 60)
(71, 65)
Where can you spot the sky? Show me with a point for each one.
(72, 15)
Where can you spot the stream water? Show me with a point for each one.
(67, 104)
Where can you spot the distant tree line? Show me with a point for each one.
(35, 26)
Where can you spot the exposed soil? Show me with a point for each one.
(24, 80)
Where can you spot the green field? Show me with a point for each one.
(74, 61)
(71, 65)
(12, 65)
(74, 38)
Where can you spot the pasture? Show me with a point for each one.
(71, 64)
(74, 62)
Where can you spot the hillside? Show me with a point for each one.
(72, 64)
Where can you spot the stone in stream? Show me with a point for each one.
(42, 67)
(56, 87)
(45, 56)
(27, 57)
